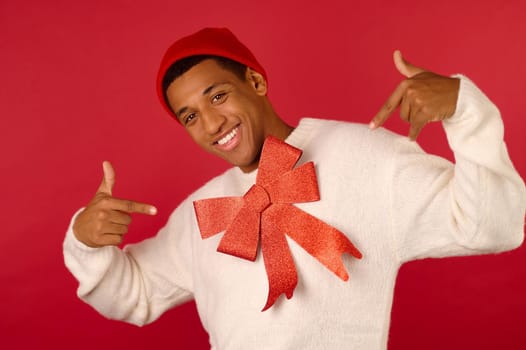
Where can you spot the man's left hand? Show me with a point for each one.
(423, 97)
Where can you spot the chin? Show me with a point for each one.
(244, 164)
(249, 159)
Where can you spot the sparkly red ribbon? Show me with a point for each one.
(266, 212)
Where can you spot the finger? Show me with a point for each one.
(109, 239)
(114, 229)
(129, 206)
(405, 68)
(414, 131)
(389, 107)
(405, 110)
(119, 217)
(108, 180)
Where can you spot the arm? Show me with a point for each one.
(439, 209)
(136, 284)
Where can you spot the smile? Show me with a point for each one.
(227, 137)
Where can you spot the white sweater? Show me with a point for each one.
(395, 202)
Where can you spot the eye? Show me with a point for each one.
(218, 97)
(188, 118)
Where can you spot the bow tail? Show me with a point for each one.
(242, 236)
(281, 272)
(319, 239)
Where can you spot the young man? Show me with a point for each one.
(380, 196)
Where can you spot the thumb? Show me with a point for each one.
(404, 67)
(108, 181)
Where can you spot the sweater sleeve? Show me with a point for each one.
(135, 284)
(474, 206)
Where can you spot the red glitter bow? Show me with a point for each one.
(266, 210)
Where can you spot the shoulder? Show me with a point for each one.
(219, 186)
(224, 184)
(342, 136)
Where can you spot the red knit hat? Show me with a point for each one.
(208, 41)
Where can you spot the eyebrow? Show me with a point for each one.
(205, 92)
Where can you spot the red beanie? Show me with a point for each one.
(208, 41)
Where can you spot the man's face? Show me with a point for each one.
(223, 114)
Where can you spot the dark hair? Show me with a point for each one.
(183, 65)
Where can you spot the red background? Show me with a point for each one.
(77, 87)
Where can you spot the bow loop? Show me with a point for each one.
(277, 157)
(296, 186)
(215, 214)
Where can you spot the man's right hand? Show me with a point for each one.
(105, 220)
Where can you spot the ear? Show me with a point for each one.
(257, 81)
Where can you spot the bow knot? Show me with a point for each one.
(265, 214)
(257, 198)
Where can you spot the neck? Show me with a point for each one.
(277, 128)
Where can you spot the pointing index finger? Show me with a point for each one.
(389, 107)
(130, 206)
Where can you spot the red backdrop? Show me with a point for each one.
(77, 87)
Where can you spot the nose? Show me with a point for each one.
(213, 121)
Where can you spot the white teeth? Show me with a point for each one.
(228, 137)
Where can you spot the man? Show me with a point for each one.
(379, 192)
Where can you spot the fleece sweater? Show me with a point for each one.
(395, 202)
